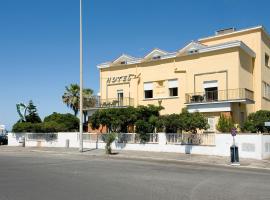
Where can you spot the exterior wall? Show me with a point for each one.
(110, 90)
(253, 40)
(207, 66)
(256, 146)
(265, 70)
(232, 68)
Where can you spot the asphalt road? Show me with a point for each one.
(34, 176)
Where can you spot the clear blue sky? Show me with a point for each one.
(39, 40)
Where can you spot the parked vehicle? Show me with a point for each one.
(3, 139)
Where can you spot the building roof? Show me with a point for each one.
(235, 32)
(194, 47)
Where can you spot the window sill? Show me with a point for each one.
(160, 98)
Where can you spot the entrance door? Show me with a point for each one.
(120, 97)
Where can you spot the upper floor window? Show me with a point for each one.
(148, 90)
(266, 59)
(156, 57)
(173, 87)
(211, 90)
(266, 90)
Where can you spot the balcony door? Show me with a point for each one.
(211, 90)
(120, 97)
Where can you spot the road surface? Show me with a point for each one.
(45, 176)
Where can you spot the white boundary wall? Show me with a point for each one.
(256, 146)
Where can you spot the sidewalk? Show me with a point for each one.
(147, 156)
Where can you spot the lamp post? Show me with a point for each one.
(81, 82)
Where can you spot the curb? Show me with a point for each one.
(187, 162)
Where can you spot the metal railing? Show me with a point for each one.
(96, 102)
(220, 95)
(191, 139)
(42, 136)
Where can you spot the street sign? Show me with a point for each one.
(234, 131)
(266, 123)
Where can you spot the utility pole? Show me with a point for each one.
(81, 81)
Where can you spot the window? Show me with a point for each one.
(120, 98)
(173, 88)
(148, 90)
(123, 62)
(266, 90)
(156, 57)
(266, 60)
(211, 90)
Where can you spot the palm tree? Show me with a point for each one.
(71, 97)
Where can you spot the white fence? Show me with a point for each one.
(191, 139)
(255, 146)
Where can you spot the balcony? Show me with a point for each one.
(231, 95)
(96, 102)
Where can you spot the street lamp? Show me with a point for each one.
(81, 82)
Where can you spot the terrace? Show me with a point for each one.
(232, 95)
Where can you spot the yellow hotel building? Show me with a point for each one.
(227, 73)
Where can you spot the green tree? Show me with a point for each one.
(143, 128)
(172, 123)
(32, 115)
(225, 124)
(193, 121)
(71, 97)
(61, 122)
(255, 122)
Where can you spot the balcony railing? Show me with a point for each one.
(96, 102)
(220, 95)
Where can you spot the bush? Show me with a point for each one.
(143, 128)
(52, 123)
(255, 122)
(61, 122)
(172, 123)
(110, 137)
(193, 121)
(22, 127)
(225, 124)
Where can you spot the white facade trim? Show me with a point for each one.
(206, 108)
(155, 52)
(229, 45)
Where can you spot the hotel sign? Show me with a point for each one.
(122, 79)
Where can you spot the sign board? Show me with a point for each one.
(122, 79)
(234, 131)
(266, 123)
